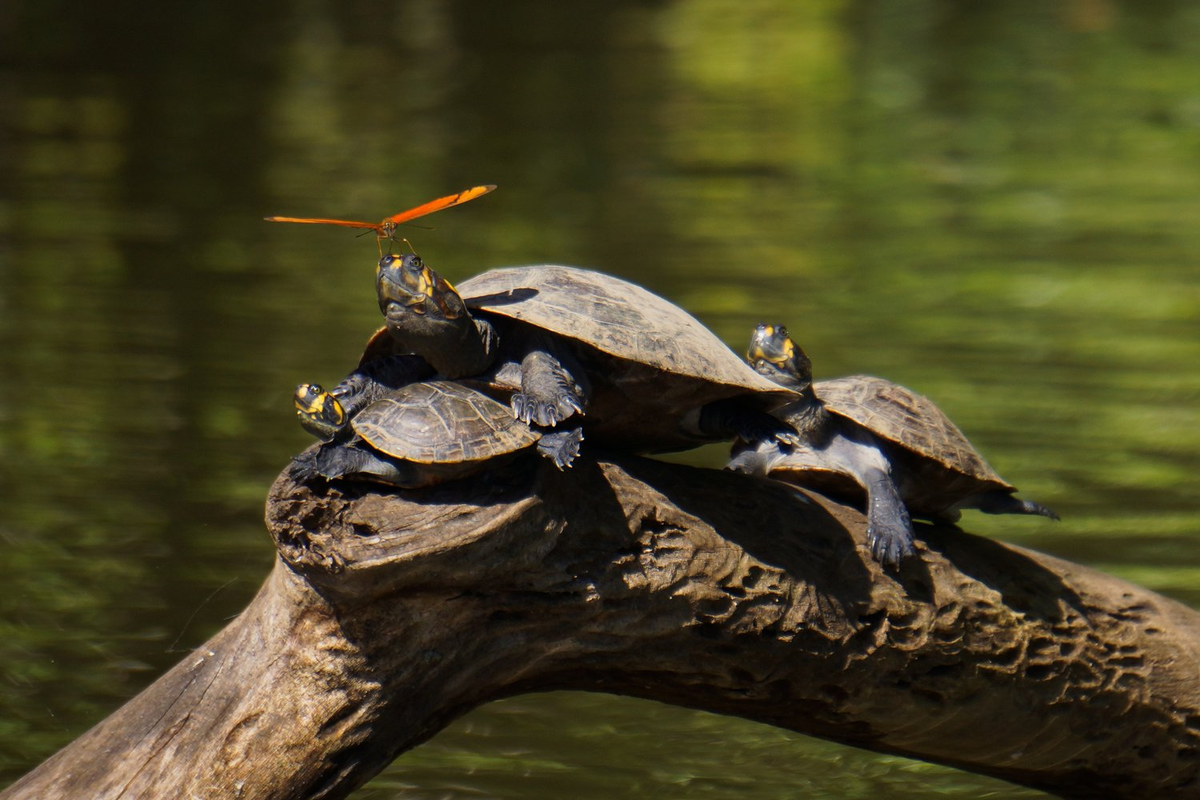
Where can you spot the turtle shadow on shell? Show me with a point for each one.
(505, 298)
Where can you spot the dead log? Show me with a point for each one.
(389, 614)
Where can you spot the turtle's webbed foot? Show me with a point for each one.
(549, 393)
(304, 467)
(561, 447)
(889, 544)
(889, 525)
(547, 413)
(732, 419)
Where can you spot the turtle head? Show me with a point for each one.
(774, 355)
(426, 315)
(406, 286)
(319, 412)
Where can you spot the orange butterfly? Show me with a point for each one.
(387, 228)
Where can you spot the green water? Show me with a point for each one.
(994, 203)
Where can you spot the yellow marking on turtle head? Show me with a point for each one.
(308, 398)
(774, 338)
(789, 350)
(313, 401)
(448, 299)
(330, 404)
(425, 281)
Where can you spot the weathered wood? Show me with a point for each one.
(389, 614)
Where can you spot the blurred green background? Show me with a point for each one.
(995, 203)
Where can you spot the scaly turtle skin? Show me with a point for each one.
(561, 343)
(864, 434)
(415, 436)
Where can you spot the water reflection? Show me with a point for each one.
(992, 205)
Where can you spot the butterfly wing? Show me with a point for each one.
(437, 205)
(345, 223)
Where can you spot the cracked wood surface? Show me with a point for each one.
(390, 614)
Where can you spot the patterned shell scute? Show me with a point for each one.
(616, 317)
(440, 422)
(900, 415)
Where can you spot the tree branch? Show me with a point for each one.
(390, 614)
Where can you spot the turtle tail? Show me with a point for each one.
(1030, 507)
(1006, 503)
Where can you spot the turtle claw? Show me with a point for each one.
(549, 393)
(573, 403)
(788, 437)
(545, 413)
(523, 407)
(889, 545)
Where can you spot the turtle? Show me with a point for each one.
(327, 414)
(418, 435)
(571, 350)
(866, 434)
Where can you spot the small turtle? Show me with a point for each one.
(327, 414)
(562, 343)
(415, 436)
(867, 434)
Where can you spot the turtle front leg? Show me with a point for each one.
(378, 377)
(889, 527)
(353, 461)
(856, 453)
(735, 419)
(550, 393)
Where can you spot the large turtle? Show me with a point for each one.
(415, 436)
(562, 343)
(862, 434)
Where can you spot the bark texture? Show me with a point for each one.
(389, 614)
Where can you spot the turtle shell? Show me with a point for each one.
(901, 416)
(441, 422)
(618, 318)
